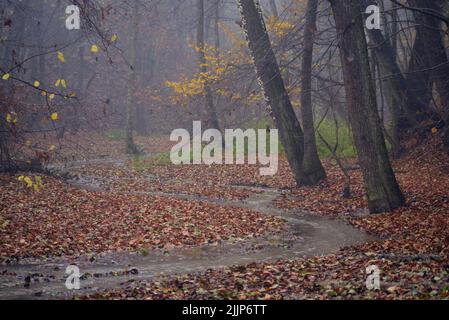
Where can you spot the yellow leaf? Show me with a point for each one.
(54, 116)
(114, 38)
(11, 117)
(52, 148)
(38, 183)
(28, 182)
(28, 143)
(38, 180)
(94, 48)
(63, 83)
(61, 57)
(6, 76)
(5, 224)
(434, 130)
(36, 84)
(21, 178)
(43, 93)
(58, 83)
(51, 96)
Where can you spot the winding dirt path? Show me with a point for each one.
(305, 235)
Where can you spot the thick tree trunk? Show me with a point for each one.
(400, 97)
(418, 79)
(6, 97)
(313, 169)
(425, 50)
(209, 99)
(271, 80)
(381, 187)
(434, 56)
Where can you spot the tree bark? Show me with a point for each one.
(267, 69)
(418, 78)
(382, 190)
(400, 97)
(313, 169)
(131, 148)
(434, 57)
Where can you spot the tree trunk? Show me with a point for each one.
(129, 113)
(76, 122)
(435, 59)
(313, 169)
(422, 61)
(400, 97)
(209, 99)
(217, 29)
(381, 187)
(271, 80)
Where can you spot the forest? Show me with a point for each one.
(224, 149)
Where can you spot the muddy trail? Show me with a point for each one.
(304, 235)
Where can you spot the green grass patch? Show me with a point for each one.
(346, 148)
(138, 163)
(160, 159)
(141, 163)
(116, 135)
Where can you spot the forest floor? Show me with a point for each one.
(141, 228)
